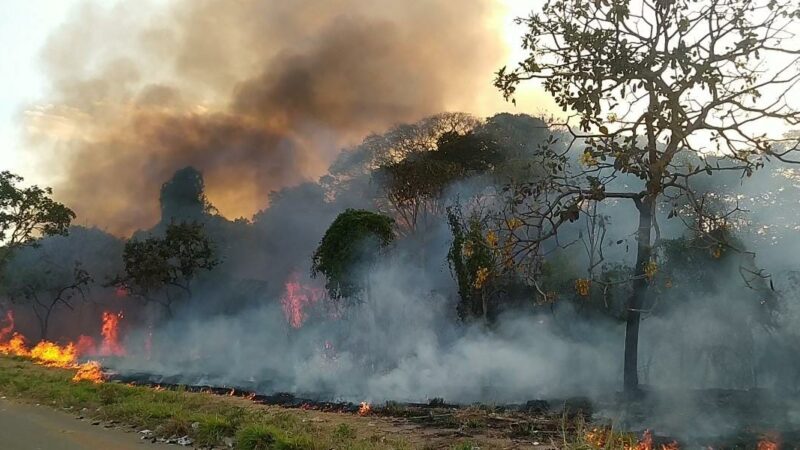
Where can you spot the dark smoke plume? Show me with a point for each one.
(258, 95)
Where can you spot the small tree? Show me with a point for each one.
(654, 87)
(353, 241)
(473, 262)
(162, 269)
(27, 214)
(42, 288)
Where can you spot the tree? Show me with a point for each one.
(161, 269)
(27, 214)
(472, 260)
(353, 241)
(43, 286)
(183, 197)
(650, 93)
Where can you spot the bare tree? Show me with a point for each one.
(43, 286)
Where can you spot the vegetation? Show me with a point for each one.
(161, 269)
(169, 413)
(44, 287)
(210, 420)
(352, 242)
(648, 94)
(27, 214)
(472, 260)
(183, 197)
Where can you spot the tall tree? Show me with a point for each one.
(651, 87)
(27, 214)
(183, 197)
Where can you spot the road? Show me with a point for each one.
(30, 427)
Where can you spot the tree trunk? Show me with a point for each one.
(636, 300)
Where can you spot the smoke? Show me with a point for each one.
(258, 95)
(401, 344)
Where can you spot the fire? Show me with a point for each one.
(364, 409)
(51, 354)
(606, 438)
(296, 298)
(85, 345)
(647, 441)
(48, 353)
(770, 441)
(90, 371)
(110, 333)
(6, 330)
(15, 346)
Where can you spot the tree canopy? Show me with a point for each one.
(155, 266)
(27, 214)
(352, 242)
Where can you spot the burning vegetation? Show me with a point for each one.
(69, 355)
(646, 245)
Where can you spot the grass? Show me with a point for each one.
(206, 418)
(212, 420)
(577, 435)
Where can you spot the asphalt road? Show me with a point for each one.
(30, 427)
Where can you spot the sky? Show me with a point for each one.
(24, 27)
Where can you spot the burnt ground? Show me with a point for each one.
(713, 418)
(716, 418)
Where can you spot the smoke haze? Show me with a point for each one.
(258, 95)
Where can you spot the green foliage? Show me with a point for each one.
(27, 214)
(355, 238)
(172, 261)
(472, 261)
(417, 179)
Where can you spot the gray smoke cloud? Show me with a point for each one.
(258, 95)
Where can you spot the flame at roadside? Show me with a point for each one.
(52, 354)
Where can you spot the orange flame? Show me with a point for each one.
(110, 333)
(770, 441)
(295, 300)
(364, 409)
(6, 330)
(90, 371)
(14, 346)
(48, 354)
(51, 354)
